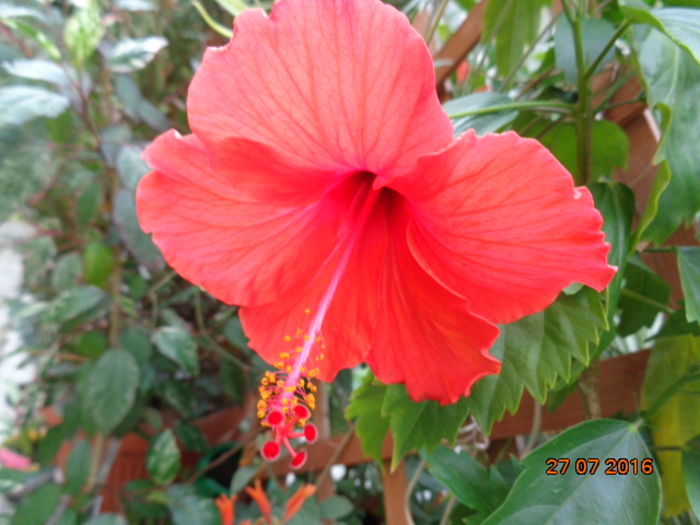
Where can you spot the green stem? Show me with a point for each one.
(623, 103)
(212, 343)
(216, 26)
(601, 56)
(436, 21)
(474, 74)
(555, 107)
(644, 299)
(527, 53)
(584, 115)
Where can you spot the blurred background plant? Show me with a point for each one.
(128, 390)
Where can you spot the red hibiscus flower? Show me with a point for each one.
(321, 189)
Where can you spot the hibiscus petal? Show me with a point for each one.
(240, 251)
(349, 323)
(426, 337)
(337, 85)
(498, 220)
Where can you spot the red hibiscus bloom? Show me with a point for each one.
(321, 189)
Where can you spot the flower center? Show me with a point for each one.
(287, 395)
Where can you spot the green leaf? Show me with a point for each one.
(98, 261)
(130, 166)
(583, 499)
(474, 486)
(38, 507)
(106, 519)
(132, 54)
(20, 104)
(615, 202)
(422, 425)
(486, 123)
(25, 166)
(180, 396)
(677, 421)
(689, 268)
(635, 312)
(242, 478)
(366, 406)
(137, 107)
(514, 26)
(187, 507)
(677, 324)
(609, 147)
(679, 24)
(176, 344)
(233, 332)
(335, 507)
(74, 302)
(70, 517)
(651, 209)
(35, 34)
(137, 242)
(233, 380)
(39, 69)
(136, 341)
(191, 436)
(88, 203)
(596, 33)
(83, 32)
(92, 343)
(68, 270)
(691, 474)
(111, 387)
(78, 467)
(163, 459)
(672, 80)
(536, 352)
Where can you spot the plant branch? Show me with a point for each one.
(644, 299)
(436, 21)
(448, 510)
(553, 107)
(213, 344)
(409, 491)
(527, 53)
(608, 46)
(336, 454)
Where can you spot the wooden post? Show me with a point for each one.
(394, 491)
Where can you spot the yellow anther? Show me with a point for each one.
(306, 338)
(279, 364)
(289, 388)
(284, 355)
(289, 369)
(300, 383)
(298, 349)
(318, 339)
(285, 401)
(264, 381)
(280, 383)
(307, 311)
(298, 331)
(287, 338)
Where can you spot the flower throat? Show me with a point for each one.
(287, 395)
